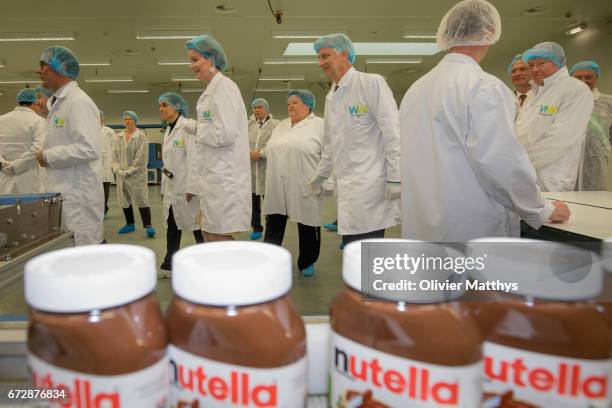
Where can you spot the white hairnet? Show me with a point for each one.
(470, 22)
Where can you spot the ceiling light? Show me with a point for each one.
(95, 63)
(282, 78)
(183, 78)
(420, 34)
(173, 62)
(394, 60)
(169, 35)
(192, 90)
(110, 79)
(395, 49)
(127, 91)
(576, 28)
(279, 34)
(20, 81)
(283, 61)
(9, 37)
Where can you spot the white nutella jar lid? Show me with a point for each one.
(352, 262)
(231, 273)
(85, 278)
(540, 269)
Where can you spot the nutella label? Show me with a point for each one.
(545, 380)
(144, 388)
(361, 376)
(201, 382)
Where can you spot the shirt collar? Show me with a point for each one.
(65, 90)
(346, 78)
(213, 83)
(23, 109)
(557, 76)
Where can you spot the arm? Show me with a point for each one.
(568, 130)
(28, 158)
(264, 140)
(498, 160)
(141, 157)
(192, 158)
(84, 130)
(223, 128)
(384, 110)
(115, 161)
(325, 165)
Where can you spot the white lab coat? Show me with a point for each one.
(21, 135)
(219, 174)
(361, 145)
(293, 155)
(178, 145)
(593, 175)
(133, 156)
(464, 175)
(73, 150)
(108, 136)
(517, 100)
(552, 128)
(258, 138)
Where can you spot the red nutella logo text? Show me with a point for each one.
(564, 379)
(415, 382)
(78, 394)
(235, 390)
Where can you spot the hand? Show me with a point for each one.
(189, 196)
(393, 190)
(7, 168)
(255, 155)
(561, 212)
(316, 186)
(40, 159)
(121, 172)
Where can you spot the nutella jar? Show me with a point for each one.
(236, 339)
(419, 353)
(546, 345)
(97, 337)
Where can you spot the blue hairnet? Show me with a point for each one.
(44, 91)
(61, 60)
(517, 57)
(547, 50)
(339, 42)
(26, 95)
(586, 66)
(261, 102)
(132, 115)
(210, 49)
(175, 100)
(305, 96)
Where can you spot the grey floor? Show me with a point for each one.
(311, 295)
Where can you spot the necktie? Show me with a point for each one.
(261, 124)
(336, 88)
(522, 99)
(53, 99)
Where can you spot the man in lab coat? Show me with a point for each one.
(261, 126)
(464, 175)
(360, 144)
(520, 75)
(73, 146)
(21, 135)
(552, 124)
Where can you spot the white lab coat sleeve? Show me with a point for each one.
(115, 158)
(384, 110)
(84, 130)
(325, 166)
(141, 157)
(223, 129)
(193, 165)
(28, 158)
(568, 129)
(499, 162)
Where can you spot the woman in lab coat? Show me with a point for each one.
(220, 173)
(180, 213)
(293, 155)
(129, 163)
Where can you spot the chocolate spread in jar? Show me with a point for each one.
(96, 331)
(386, 353)
(236, 339)
(547, 344)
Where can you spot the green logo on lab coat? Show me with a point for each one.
(548, 110)
(59, 122)
(358, 111)
(207, 115)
